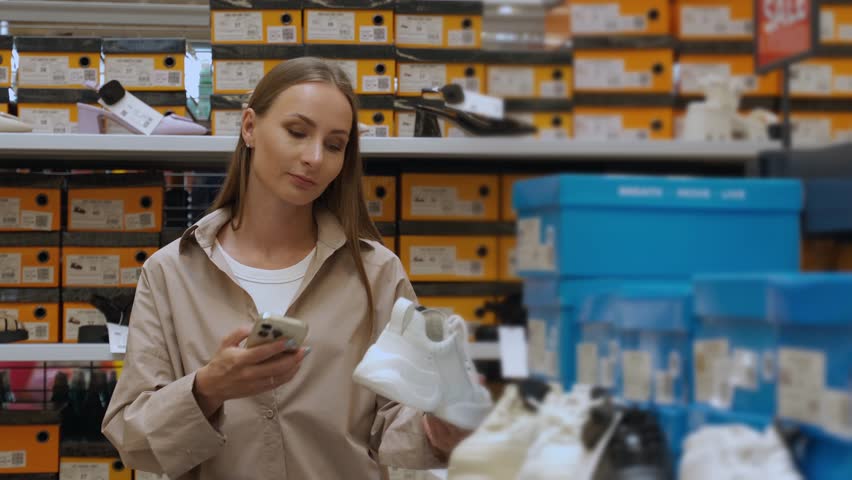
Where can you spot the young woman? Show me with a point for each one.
(290, 234)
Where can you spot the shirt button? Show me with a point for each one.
(269, 414)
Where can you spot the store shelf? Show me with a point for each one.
(100, 352)
(106, 13)
(151, 151)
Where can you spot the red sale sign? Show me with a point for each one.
(785, 31)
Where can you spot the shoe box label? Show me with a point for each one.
(132, 209)
(710, 371)
(507, 246)
(380, 193)
(740, 68)
(151, 72)
(639, 123)
(349, 26)
(227, 122)
(637, 371)
(369, 76)
(821, 78)
(536, 249)
(104, 267)
(76, 315)
(50, 118)
(450, 197)
(5, 68)
(801, 383)
(256, 27)
(20, 209)
(232, 76)
(57, 71)
(811, 127)
(28, 266)
(140, 475)
(587, 363)
(437, 31)
(82, 468)
(835, 24)
(608, 17)
(414, 77)
(23, 448)
(449, 258)
(547, 81)
(40, 319)
(544, 348)
(715, 20)
(640, 71)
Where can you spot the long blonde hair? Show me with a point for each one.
(344, 197)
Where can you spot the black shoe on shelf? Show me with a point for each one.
(638, 448)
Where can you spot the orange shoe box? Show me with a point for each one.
(29, 442)
(5, 61)
(624, 71)
(226, 114)
(380, 192)
(507, 246)
(52, 111)
(256, 22)
(30, 202)
(453, 197)
(147, 64)
(545, 74)
(29, 260)
(445, 24)
(714, 20)
(57, 62)
(623, 123)
(349, 22)
(553, 118)
(371, 69)
(238, 68)
(376, 113)
(94, 468)
(424, 68)
(105, 259)
(737, 62)
(620, 17)
(79, 311)
(449, 258)
(822, 77)
(36, 309)
(115, 203)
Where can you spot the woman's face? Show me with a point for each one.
(300, 142)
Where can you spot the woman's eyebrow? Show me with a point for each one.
(313, 124)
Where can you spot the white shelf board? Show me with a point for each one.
(57, 352)
(69, 352)
(105, 13)
(80, 148)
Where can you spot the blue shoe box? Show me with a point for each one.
(548, 331)
(597, 349)
(735, 345)
(633, 226)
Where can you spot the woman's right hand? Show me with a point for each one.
(236, 372)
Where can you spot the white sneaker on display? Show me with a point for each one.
(421, 359)
(496, 451)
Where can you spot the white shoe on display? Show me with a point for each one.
(421, 359)
(496, 451)
(13, 124)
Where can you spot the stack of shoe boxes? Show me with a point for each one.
(449, 226)
(359, 39)
(821, 86)
(437, 43)
(52, 76)
(630, 243)
(113, 225)
(151, 68)
(623, 69)
(30, 214)
(537, 87)
(715, 38)
(5, 71)
(249, 39)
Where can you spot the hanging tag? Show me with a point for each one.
(117, 337)
(513, 352)
(130, 109)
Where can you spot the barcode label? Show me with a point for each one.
(139, 221)
(174, 78)
(90, 75)
(374, 208)
(374, 34)
(32, 220)
(377, 83)
(10, 210)
(41, 221)
(38, 331)
(382, 131)
(461, 38)
(281, 34)
(10, 268)
(14, 459)
(38, 274)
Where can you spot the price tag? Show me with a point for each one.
(513, 352)
(117, 337)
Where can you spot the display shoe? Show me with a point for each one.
(421, 359)
(93, 120)
(638, 449)
(13, 124)
(734, 452)
(478, 125)
(12, 331)
(497, 449)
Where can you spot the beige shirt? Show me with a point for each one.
(320, 425)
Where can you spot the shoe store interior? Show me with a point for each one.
(500, 239)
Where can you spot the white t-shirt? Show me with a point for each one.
(271, 290)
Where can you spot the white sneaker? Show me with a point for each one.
(422, 360)
(11, 123)
(496, 451)
(558, 451)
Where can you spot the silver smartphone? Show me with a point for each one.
(271, 327)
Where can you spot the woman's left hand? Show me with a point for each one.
(443, 436)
